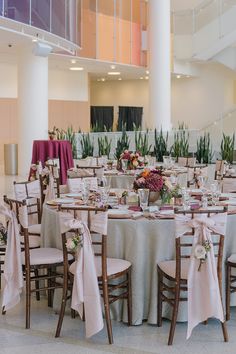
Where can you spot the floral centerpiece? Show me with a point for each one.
(157, 184)
(134, 159)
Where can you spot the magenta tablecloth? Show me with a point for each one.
(52, 149)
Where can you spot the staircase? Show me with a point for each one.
(207, 32)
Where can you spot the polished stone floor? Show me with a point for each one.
(15, 339)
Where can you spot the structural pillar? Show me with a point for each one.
(32, 104)
(160, 64)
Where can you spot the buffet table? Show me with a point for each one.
(144, 243)
(51, 149)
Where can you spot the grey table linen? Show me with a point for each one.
(144, 243)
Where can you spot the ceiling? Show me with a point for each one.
(11, 42)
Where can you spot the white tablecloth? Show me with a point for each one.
(144, 243)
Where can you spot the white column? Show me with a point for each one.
(160, 64)
(32, 104)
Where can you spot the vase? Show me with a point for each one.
(153, 196)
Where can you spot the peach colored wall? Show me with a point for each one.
(65, 113)
(61, 114)
(8, 123)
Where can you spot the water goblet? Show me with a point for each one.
(124, 165)
(143, 197)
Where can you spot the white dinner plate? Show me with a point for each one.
(74, 195)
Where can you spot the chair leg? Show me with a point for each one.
(225, 332)
(72, 313)
(174, 316)
(50, 292)
(129, 298)
(159, 298)
(63, 305)
(228, 274)
(107, 311)
(28, 298)
(36, 273)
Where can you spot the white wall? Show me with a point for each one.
(201, 100)
(63, 84)
(120, 93)
(184, 4)
(196, 101)
(8, 81)
(68, 85)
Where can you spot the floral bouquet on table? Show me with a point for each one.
(155, 182)
(134, 159)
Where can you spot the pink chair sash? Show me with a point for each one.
(12, 266)
(85, 287)
(204, 298)
(50, 191)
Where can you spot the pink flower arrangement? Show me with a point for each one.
(134, 158)
(150, 179)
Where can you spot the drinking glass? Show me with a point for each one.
(124, 165)
(85, 191)
(143, 198)
(185, 198)
(215, 191)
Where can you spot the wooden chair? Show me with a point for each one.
(114, 275)
(172, 275)
(219, 169)
(2, 255)
(228, 184)
(33, 260)
(30, 191)
(75, 184)
(230, 282)
(44, 180)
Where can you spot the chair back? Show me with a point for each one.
(31, 192)
(96, 220)
(229, 184)
(219, 169)
(44, 180)
(75, 184)
(20, 209)
(184, 243)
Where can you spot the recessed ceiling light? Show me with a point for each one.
(102, 79)
(113, 73)
(146, 77)
(73, 61)
(147, 72)
(178, 76)
(113, 67)
(141, 78)
(34, 40)
(120, 79)
(76, 68)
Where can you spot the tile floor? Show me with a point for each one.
(15, 339)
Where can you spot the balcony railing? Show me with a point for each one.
(59, 17)
(205, 24)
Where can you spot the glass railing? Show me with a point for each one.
(223, 124)
(206, 23)
(58, 17)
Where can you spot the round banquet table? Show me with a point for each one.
(144, 243)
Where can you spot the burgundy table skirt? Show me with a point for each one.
(53, 149)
